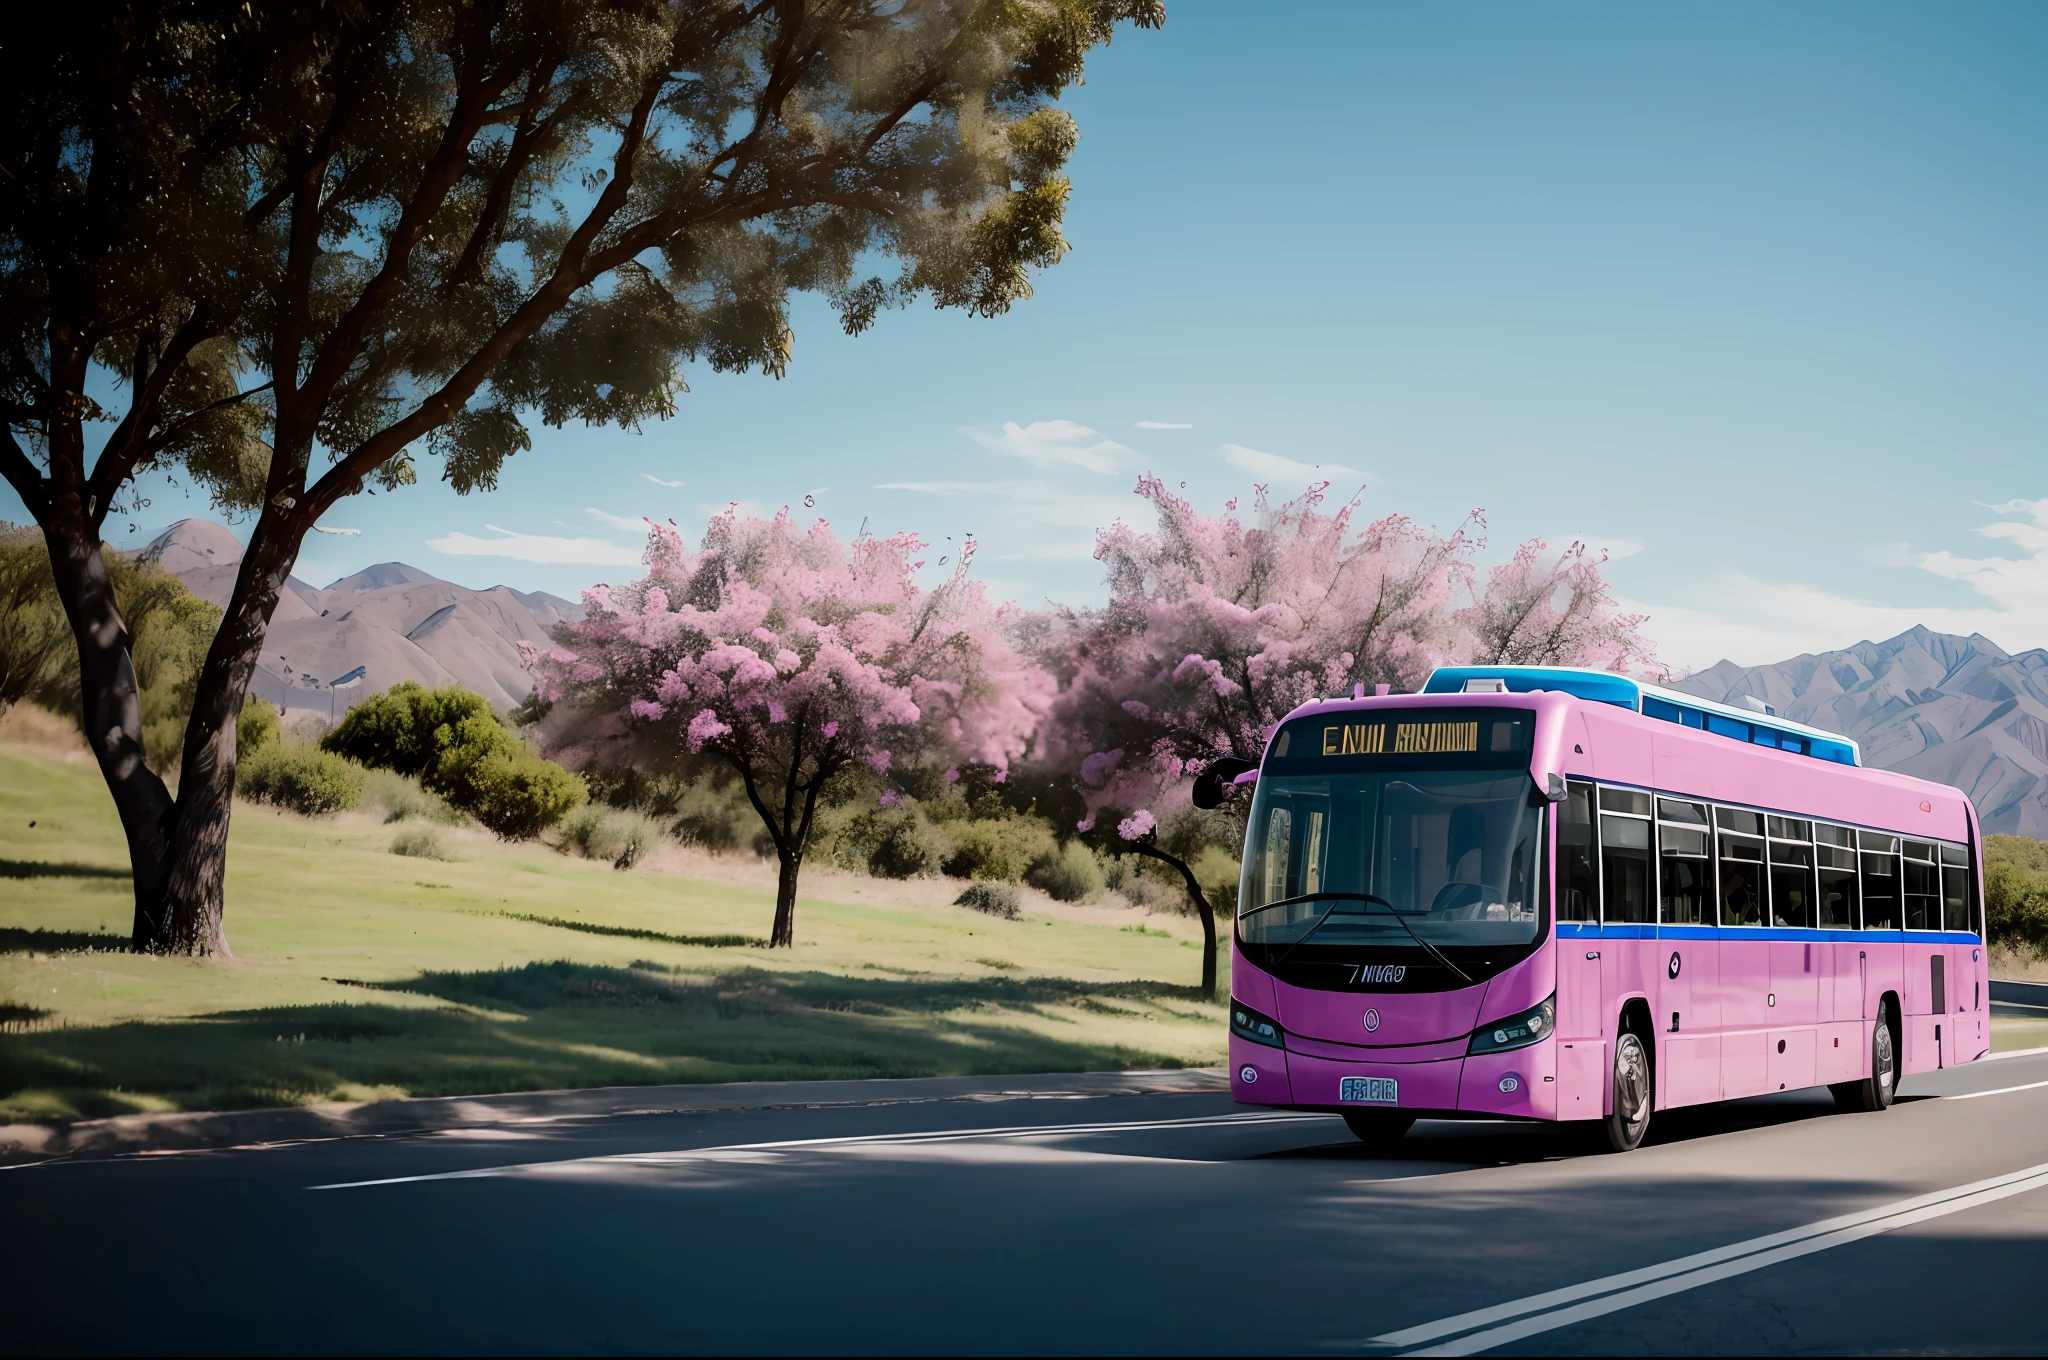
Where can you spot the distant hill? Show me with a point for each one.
(1956, 710)
(396, 622)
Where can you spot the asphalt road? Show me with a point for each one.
(1131, 1223)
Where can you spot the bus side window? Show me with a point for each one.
(1685, 872)
(1880, 859)
(1578, 856)
(1625, 857)
(1923, 887)
(1741, 849)
(1955, 890)
(1836, 850)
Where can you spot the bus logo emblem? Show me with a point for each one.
(1382, 972)
(1372, 1021)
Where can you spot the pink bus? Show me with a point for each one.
(1564, 895)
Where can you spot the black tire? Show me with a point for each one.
(1877, 1091)
(1634, 1095)
(1378, 1126)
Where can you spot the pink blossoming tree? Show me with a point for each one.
(1218, 626)
(791, 657)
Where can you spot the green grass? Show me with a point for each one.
(359, 973)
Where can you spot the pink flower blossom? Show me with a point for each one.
(1085, 824)
(706, 727)
(830, 729)
(889, 798)
(1137, 826)
(952, 775)
(1098, 767)
(647, 710)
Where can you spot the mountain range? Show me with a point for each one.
(392, 621)
(1956, 710)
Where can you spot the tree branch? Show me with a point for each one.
(21, 473)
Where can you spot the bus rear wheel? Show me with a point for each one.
(1378, 1126)
(1630, 1120)
(1876, 1091)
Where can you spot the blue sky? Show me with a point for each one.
(1753, 295)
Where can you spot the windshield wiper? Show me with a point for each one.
(1335, 897)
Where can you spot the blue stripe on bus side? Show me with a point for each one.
(1581, 930)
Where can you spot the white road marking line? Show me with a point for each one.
(1563, 1307)
(793, 1144)
(2001, 1091)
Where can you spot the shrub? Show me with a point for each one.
(714, 817)
(258, 726)
(304, 779)
(995, 899)
(618, 838)
(517, 794)
(421, 843)
(403, 799)
(998, 848)
(1072, 874)
(895, 842)
(2016, 893)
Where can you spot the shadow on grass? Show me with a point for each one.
(14, 940)
(627, 932)
(557, 1025)
(36, 868)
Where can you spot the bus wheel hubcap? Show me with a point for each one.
(1631, 1084)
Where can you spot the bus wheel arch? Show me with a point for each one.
(1632, 1078)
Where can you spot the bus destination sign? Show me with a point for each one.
(1401, 739)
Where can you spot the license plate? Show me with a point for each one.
(1369, 1090)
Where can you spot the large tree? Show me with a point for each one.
(287, 251)
(1218, 626)
(791, 658)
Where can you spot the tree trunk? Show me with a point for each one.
(784, 936)
(112, 711)
(188, 891)
(1151, 848)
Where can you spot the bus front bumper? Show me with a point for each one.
(1519, 1084)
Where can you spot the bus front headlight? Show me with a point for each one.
(1517, 1031)
(1247, 1023)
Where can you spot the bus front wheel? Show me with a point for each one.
(1378, 1126)
(1630, 1119)
(1874, 1092)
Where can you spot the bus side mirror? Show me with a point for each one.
(1553, 787)
(1217, 781)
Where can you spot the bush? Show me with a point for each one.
(304, 779)
(618, 838)
(259, 725)
(403, 799)
(423, 843)
(517, 794)
(1073, 874)
(892, 842)
(998, 848)
(450, 739)
(995, 899)
(714, 817)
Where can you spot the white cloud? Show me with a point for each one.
(1275, 467)
(1163, 425)
(660, 481)
(1771, 621)
(1048, 444)
(631, 526)
(537, 548)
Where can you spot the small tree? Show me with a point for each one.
(295, 245)
(793, 658)
(1217, 628)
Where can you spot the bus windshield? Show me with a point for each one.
(1415, 858)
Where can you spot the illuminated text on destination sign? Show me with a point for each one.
(1420, 738)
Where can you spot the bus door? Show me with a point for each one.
(1797, 959)
(1746, 1013)
(1688, 955)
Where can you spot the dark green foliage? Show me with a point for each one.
(456, 746)
(1000, 848)
(1071, 874)
(992, 899)
(259, 725)
(895, 842)
(303, 779)
(2016, 893)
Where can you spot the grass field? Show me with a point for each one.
(359, 973)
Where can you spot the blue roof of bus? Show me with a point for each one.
(1653, 701)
